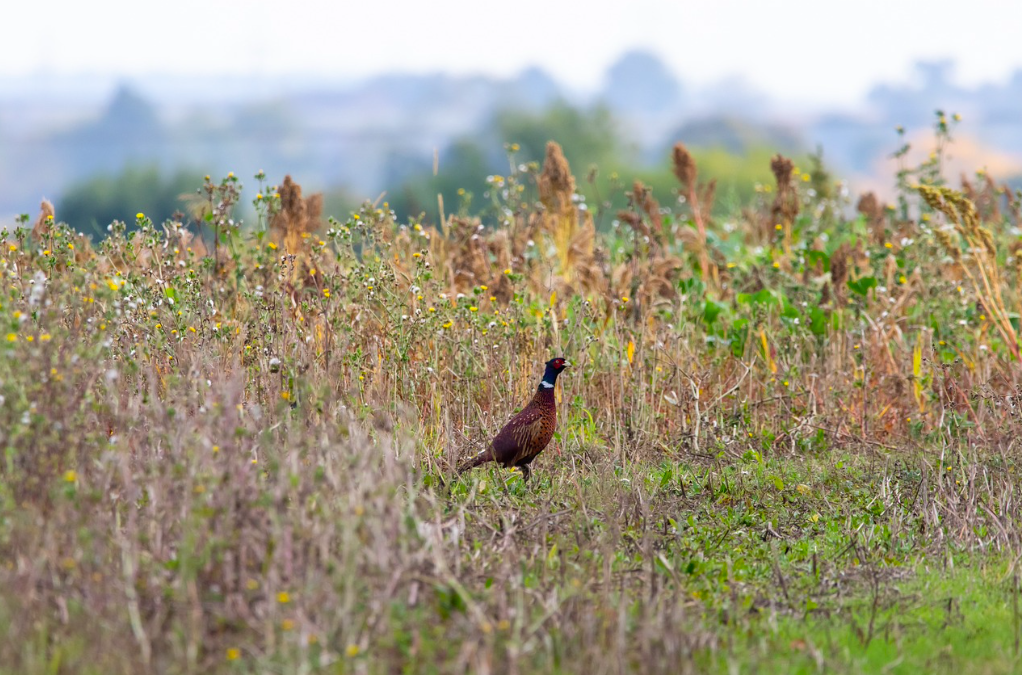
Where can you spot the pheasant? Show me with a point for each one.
(528, 432)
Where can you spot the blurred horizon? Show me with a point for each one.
(826, 53)
(377, 110)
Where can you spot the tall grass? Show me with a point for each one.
(239, 458)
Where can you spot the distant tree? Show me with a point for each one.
(92, 205)
(533, 88)
(587, 136)
(339, 202)
(462, 166)
(736, 176)
(640, 82)
(591, 140)
(734, 134)
(127, 131)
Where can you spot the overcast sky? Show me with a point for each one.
(822, 51)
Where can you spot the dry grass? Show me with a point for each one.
(235, 462)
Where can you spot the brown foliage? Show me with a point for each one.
(875, 214)
(839, 273)
(987, 196)
(292, 226)
(700, 200)
(297, 216)
(556, 184)
(785, 207)
(44, 223)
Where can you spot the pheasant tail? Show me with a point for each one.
(482, 458)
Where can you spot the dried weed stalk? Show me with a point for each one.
(785, 207)
(44, 222)
(875, 214)
(978, 260)
(699, 198)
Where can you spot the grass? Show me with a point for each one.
(787, 443)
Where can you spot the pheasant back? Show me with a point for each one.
(528, 432)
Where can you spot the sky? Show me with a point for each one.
(821, 52)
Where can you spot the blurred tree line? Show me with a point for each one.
(92, 205)
(604, 163)
(601, 157)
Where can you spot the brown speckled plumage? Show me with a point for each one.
(528, 432)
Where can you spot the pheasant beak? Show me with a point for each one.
(567, 365)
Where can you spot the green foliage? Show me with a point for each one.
(593, 145)
(737, 176)
(589, 138)
(97, 202)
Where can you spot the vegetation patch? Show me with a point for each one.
(787, 441)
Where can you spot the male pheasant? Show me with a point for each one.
(529, 431)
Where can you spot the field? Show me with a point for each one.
(788, 441)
